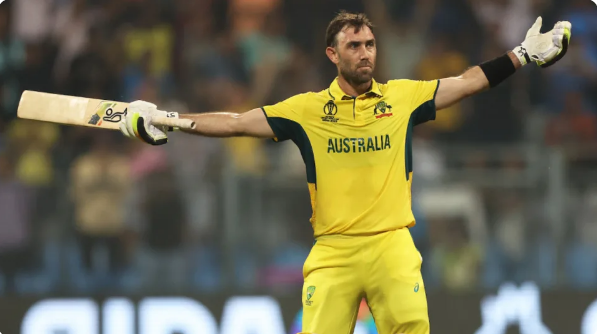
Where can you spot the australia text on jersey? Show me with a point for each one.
(359, 145)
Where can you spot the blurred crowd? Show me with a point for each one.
(503, 185)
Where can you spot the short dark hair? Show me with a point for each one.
(343, 19)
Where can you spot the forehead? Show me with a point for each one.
(348, 34)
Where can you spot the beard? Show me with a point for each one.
(357, 76)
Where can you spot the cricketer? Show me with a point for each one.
(355, 138)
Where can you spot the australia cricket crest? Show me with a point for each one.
(382, 109)
(310, 292)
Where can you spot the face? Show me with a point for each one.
(354, 54)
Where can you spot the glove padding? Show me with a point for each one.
(544, 49)
(138, 123)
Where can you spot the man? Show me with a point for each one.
(16, 205)
(100, 178)
(355, 139)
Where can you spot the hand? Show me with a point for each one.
(544, 49)
(138, 123)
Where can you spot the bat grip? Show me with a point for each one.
(174, 122)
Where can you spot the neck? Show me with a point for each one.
(353, 89)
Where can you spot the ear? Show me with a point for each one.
(332, 54)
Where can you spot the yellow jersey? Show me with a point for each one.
(357, 152)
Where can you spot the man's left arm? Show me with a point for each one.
(544, 49)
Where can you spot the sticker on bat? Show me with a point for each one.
(114, 117)
(105, 112)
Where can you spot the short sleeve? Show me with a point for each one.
(284, 117)
(421, 95)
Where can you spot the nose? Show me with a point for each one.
(364, 58)
(363, 54)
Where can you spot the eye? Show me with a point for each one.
(354, 45)
(370, 44)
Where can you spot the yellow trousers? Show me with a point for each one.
(384, 268)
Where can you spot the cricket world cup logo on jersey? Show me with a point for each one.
(310, 292)
(330, 110)
(382, 109)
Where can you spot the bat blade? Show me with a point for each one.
(71, 110)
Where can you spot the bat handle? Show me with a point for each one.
(174, 122)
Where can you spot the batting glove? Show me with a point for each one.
(544, 49)
(138, 123)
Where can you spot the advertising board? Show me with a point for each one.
(512, 309)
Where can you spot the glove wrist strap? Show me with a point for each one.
(522, 55)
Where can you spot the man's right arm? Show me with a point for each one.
(252, 123)
(267, 122)
(137, 123)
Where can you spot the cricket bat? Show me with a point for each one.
(81, 111)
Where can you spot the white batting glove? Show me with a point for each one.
(137, 123)
(544, 49)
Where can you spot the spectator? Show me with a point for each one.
(576, 73)
(32, 20)
(16, 206)
(33, 144)
(508, 19)
(455, 259)
(148, 47)
(581, 15)
(247, 16)
(581, 249)
(298, 76)
(199, 54)
(194, 161)
(164, 231)
(266, 46)
(3, 143)
(507, 254)
(494, 119)
(429, 163)
(71, 33)
(403, 38)
(92, 70)
(575, 125)
(12, 60)
(100, 183)
(33, 141)
(441, 61)
(36, 74)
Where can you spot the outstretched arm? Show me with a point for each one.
(252, 123)
(138, 123)
(471, 82)
(543, 49)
